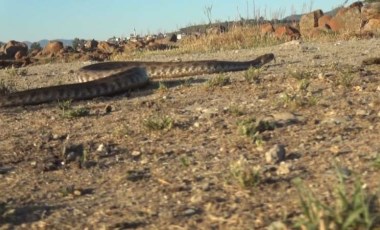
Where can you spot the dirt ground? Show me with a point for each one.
(166, 156)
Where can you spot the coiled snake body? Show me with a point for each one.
(108, 78)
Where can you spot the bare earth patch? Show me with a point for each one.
(168, 156)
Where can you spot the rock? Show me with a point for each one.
(287, 32)
(277, 225)
(324, 21)
(373, 26)
(135, 153)
(266, 29)
(318, 31)
(309, 21)
(12, 47)
(347, 20)
(100, 148)
(52, 48)
(106, 47)
(20, 55)
(371, 11)
(275, 154)
(283, 169)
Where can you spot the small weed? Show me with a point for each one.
(246, 175)
(345, 79)
(185, 161)
(162, 87)
(69, 112)
(13, 72)
(187, 82)
(348, 211)
(252, 129)
(219, 81)
(300, 75)
(296, 100)
(303, 85)
(376, 162)
(6, 88)
(236, 110)
(158, 123)
(252, 75)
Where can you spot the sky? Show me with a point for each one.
(33, 20)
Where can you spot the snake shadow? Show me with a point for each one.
(149, 89)
(152, 87)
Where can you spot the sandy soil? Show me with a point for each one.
(114, 168)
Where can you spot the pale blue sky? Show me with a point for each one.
(33, 20)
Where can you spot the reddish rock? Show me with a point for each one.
(319, 31)
(266, 29)
(372, 26)
(371, 11)
(106, 47)
(309, 21)
(346, 20)
(34, 52)
(287, 32)
(12, 47)
(157, 46)
(52, 48)
(324, 21)
(20, 55)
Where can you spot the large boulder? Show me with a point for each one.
(287, 32)
(324, 21)
(371, 11)
(372, 26)
(53, 48)
(12, 47)
(106, 47)
(266, 29)
(347, 20)
(309, 21)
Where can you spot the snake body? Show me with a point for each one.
(109, 78)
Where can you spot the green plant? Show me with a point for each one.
(220, 80)
(376, 162)
(297, 99)
(13, 72)
(236, 110)
(251, 127)
(246, 175)
(69, 112)
(252, 75)
(162, 87)
(345, 79)
(158, 123)
(78, 43)
(6, 88)
(347, 211)
(35, 46)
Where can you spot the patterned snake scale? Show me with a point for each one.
(109, 78)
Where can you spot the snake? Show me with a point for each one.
(115, 77)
